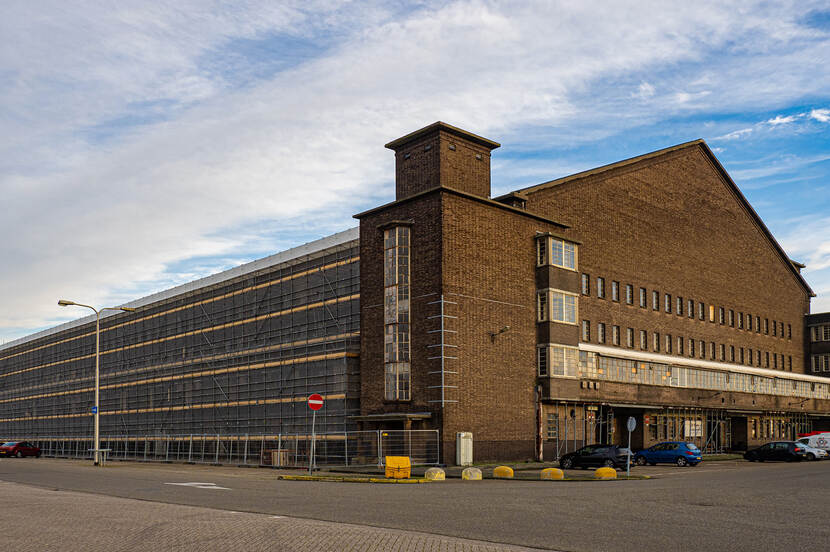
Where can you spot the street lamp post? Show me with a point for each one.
(64, 303)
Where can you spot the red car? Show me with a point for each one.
(19, 449)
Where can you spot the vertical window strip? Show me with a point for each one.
(396, 313)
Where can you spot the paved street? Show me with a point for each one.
(717, 506)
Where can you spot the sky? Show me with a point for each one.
(147, 144)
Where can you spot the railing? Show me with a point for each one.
(350, 448)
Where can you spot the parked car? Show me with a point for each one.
(673, 452)
(817, 439)
(19, 449)
(811, 453)
(787, 451)
(612, 456)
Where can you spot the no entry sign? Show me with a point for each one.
(315, 402)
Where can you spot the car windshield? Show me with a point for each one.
(691, 446)
(10, 444)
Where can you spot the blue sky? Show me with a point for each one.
(145, 145)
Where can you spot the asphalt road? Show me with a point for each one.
(716, 506)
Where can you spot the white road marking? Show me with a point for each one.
(277, 517)
(200, 485)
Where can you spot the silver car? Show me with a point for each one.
(811, 453)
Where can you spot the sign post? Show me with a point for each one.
(631, 425)
(315, 403)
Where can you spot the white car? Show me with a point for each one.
(811, 453)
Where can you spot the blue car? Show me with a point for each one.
(673, 452)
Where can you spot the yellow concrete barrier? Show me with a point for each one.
(435, 474)
(503, 472)
(605, 473)
(552, 473)
(398, 467)
(471, 474)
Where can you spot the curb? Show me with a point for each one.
(348, 479)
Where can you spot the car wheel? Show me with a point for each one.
(640, 460)
(811, 456)
(19, 454)
(681, 461)
(609, 463)
(566, 463)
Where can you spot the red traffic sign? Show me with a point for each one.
(315, 401)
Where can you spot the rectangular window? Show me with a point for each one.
(667, 303)
(789, 331)
(740, 321)
(643, 298)
(563, 254)
(757, 324)
(643, 340)
(396, 313)
(679, 307)
(712, 350)
(656, 341)
(731, 353)
(629, 294)
(668, 343)
(600, 287)
(679, 345)
(766, 326)
(774, 329)
(601, 332)
(758, 358)
(563, 307)
(690, 309)
(775, 361)
(541, 251)
(766, 359)
(790, 363)
(629, 337)
(701, 348)
(749, 322)
(615, 290)
(655, 300)
(749, 357)
(731, 318)
(586, 284)
(711, 313)
(722, 351)
(564, 361)
(720, 316)
(542, 311)
(781, 332)
(615, 335)
(701, 311)
(741, 355)
(586, 330)
(542, 360)
(691, 347)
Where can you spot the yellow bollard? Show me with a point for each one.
(552, 473)
(435, 474)
(471, 474)
(503, 472)
(605, 473)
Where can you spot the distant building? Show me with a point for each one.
(539, 321)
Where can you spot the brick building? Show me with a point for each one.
(539, 321)
(546, 317)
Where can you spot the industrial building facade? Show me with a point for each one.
(539, 321)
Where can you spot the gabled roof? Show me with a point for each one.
(700, 143)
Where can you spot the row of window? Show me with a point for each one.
(685, 346)
(820, 363)
(687, 307)
(560, 360)
(396, 354)
(820, 333)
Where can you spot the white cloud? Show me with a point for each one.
(127, 145)
(735, 135)
(781, 120)
(822, 115)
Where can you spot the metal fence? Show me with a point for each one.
(350, 448)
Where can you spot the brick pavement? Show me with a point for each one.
(49, 520)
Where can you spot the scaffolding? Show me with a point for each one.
(234, 354)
